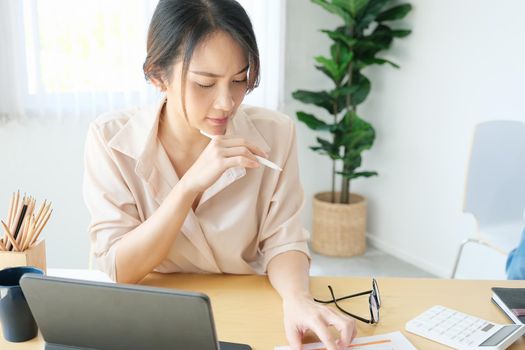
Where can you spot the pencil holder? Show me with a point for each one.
(35, 256)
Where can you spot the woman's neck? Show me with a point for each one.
(177, 135)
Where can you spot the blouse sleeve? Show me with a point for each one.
(109, 200)
(281, 230)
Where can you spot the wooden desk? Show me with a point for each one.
(248, 310)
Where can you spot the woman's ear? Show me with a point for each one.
(159, 84)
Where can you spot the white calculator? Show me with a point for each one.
(461, 331)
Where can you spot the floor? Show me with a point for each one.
(373, 263)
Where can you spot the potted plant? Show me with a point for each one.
(339, 218)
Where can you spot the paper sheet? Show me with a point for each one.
(388, 341)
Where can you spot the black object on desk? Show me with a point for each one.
(18, 324)
(511, 301)
(74, 314)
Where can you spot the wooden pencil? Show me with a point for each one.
(41, 208)
(18, 213)
(40, 228)
(42, 212)
(19, 236)
(10, 236)
(20, 219)
(27, 222)
(14, 216)
(2, 246)
(10, 214)
(15, 207)
(29, 234)
(28, 238)
(18, 208)
(25, 227)
(10, 211)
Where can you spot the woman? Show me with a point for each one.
(164, 197)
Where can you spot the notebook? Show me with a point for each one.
(81, 315)
(511, 301)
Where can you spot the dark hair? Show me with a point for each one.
(178, 26)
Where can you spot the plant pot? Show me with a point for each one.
(339, 229)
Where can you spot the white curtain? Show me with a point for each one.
(77, 59)
(11, 60)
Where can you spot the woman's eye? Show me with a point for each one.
(205, 86)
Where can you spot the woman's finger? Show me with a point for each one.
(236, 142)
(294, 338)
(242, 161)
(238, 151)
(345, 325)
(320, 328)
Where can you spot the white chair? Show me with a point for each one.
(495, 187)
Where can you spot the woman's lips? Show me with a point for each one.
(218, 121)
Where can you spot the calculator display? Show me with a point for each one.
(500, 335)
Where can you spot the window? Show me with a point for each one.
(84, 58)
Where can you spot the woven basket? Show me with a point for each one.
(339, 229)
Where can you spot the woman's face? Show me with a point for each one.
(216, 84)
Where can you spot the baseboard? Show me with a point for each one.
(389, 248)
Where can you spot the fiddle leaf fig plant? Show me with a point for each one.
(365, 33)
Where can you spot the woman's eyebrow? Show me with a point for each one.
(213, 75)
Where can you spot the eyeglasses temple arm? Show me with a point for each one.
(354, 316)
(343, 298)
(334, 300)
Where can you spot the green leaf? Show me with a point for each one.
(354, 175)
(340, 37)
(394, 13)
(343, 91)
(335, 10)
(335, 51)
(351, 6)
(369, 62)
(330, 66)
(319, 98)
(335, 70)
(365, 174)
(380, 39)
(360, 137)
(363, 88)
(401, 33)
(327, 148)
(369, 14)
(357, 6)
(382, 36)
(345, 61)
(312, 122)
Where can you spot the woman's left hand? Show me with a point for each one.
(303, 313)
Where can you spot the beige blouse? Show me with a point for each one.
(241, 222)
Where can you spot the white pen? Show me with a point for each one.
(261, 160)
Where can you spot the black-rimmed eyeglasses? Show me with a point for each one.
(374, 301)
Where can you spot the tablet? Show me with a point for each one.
(77, 314)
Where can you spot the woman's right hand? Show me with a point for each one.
(222, 153)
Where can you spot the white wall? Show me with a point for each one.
(463, 64)
(44, 159)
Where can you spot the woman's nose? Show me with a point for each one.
(224, 100)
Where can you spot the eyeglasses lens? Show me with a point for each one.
(375, 290)
(374, 309)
